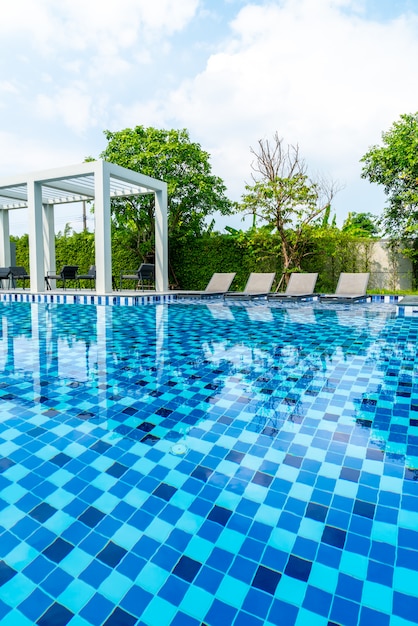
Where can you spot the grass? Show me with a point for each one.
(392, 292)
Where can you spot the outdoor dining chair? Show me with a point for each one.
(17, 273)
(4, 275)
(90, 276)
(68, 272)
(143, 276)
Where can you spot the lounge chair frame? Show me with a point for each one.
(351, 287)
(301, 286)
(216, 287)
(258, 286)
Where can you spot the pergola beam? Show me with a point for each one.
(101, 182)
(73, 188)
(15, 195)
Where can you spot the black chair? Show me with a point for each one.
(90, 276)
(4, 275)
(17, 273)
(68, 272)
(144, 275)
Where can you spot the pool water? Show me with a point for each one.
(185, 464)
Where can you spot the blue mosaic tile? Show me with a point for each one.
(165, 465)
(56, 614)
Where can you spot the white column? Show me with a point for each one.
(102, 237)
(4, 239)
(36, 250)
(49, 239)
(161, 240)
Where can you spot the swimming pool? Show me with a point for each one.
(185, 464)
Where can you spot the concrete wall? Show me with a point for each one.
(387, 271)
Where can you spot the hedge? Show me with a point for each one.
(192, 261)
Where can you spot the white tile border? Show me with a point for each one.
(135, 300)
(112, 300)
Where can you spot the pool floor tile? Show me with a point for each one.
(160, 466)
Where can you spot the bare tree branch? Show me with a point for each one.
(285, 197)
(327, 189)
(274, 160)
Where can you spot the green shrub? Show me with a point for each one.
(193, 260)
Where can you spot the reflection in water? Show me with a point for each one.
(153, 455)
(156, 371)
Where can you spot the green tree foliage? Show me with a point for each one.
(394, 165)
(333, 251)
(194, 193)
(326, 221)
(285, 198)
(361, 225)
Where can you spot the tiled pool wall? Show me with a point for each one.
(122, 300)
(63, 298)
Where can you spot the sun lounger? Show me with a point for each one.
(217, 286)
(258, 286)
(301, 286)
(351, 287)
(144, 275)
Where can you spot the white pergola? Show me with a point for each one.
(97, 181)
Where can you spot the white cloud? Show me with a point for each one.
(85, 24)
(8, 87)
(28, 154)
(319, 73)
(73, 55)
(71, 105)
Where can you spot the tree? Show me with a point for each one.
(394, 165)
(284, 197)
(194, 192)
(361, 225)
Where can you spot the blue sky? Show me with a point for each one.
(328, 75)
